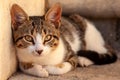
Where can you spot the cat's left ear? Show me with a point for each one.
(54, 14)
(18, 16)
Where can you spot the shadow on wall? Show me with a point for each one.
(110, 29)
(118, 31)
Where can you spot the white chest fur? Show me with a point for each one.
(52, 58)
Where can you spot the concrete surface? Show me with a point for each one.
(94, 72)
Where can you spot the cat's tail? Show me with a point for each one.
(97, 58)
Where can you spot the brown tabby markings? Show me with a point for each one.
(82, 28)
(49, 30)
(26, 65)
(70, 56)
(20, 34)
(46, 29)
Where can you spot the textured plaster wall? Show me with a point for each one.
(7, 50)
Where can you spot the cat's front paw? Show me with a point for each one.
(53, 70)
(33, 69)
(40, 71)
(59, 69)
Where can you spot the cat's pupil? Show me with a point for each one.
(44, 31)
(33, 24)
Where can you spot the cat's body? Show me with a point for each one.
(53, 47)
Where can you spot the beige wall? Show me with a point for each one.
(7, 51)
(90, 8)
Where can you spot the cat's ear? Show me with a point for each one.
(18, 16)
(54, 14)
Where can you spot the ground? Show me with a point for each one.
(94, 72)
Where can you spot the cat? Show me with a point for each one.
(55, 45)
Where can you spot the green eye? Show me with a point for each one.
(28, 38)
(48, 37)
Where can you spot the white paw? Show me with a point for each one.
(53, 70)
(84, 62)
(41, 71)
(57, 70)
(37, 70)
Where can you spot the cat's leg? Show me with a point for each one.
(33, 69)
(59, 69)
(63, 67)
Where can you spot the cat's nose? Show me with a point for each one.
(39, 51)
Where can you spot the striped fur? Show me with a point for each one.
(55, 45)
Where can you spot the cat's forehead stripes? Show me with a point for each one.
(36, 19)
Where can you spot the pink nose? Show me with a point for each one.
(39, 51)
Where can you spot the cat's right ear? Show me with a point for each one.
(18, 16)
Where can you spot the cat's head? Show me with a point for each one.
(39, 39)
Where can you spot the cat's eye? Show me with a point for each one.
(48, 37)
(28, 38)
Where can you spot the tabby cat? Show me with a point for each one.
(55, 45)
